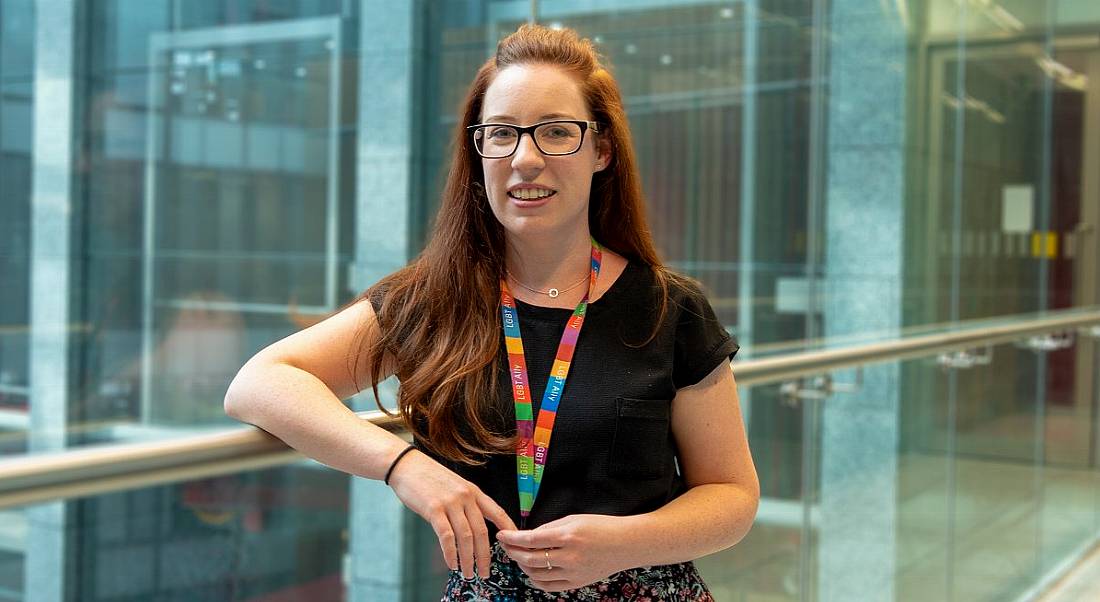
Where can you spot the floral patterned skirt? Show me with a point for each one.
(508, 583)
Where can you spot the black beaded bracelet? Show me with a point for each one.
(408, 449)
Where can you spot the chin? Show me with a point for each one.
(527, 225)
(542, 220)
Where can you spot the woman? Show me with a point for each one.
(576, 424)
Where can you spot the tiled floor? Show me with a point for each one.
(1011, 523)
(1082, 583)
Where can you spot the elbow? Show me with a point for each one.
(237, 397)
(232, 402)
(751, 495)
(751, 492)
(745, 504)
(754, 506)
(735, 515)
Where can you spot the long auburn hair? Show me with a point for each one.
(439, 314)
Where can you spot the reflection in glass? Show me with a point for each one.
(221, 177)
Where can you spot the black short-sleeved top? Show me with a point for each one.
(611, 450)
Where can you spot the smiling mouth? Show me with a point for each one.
(531, 194)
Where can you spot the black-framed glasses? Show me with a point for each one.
(553, 138)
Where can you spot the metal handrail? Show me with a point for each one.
(89, 471)
(775, 369)
(44, 477)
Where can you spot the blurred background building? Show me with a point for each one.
(183, 182)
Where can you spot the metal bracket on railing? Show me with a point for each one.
(1048, 342)
(1093, 332)
(964, 359)
(817, 387)
(851, 387)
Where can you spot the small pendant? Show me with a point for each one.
(553, 293)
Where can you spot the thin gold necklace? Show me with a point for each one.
(552, 292)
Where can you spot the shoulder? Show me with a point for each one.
(614, 267)
(655, 282)
(684, 289)
(657, 303)
(395, 289)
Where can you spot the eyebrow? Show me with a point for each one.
(542, 118)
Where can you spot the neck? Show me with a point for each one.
(548, 261)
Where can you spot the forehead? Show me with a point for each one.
(526, 93)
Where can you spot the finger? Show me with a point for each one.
(507, 547)
(552, 585)
(518, 539)
(481, 540)
(534, 539)
(532, 559)
(494, 512)
(446, 536)
(511, 551)
(542, 573)
(464, 538)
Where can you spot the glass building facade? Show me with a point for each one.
(183, 182)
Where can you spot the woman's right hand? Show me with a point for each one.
(454, 507)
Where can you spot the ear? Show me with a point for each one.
(604, 154)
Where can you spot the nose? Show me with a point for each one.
(527, 157)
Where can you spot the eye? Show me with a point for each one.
(501, 133)
(557, 131)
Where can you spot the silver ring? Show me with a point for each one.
(548, 565)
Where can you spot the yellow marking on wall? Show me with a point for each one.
(1044, 244)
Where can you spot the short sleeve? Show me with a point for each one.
(701, 340)
(376, 295)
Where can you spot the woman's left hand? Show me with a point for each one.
(583, 548)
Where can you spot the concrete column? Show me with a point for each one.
(864, 255)
(51, 208)
(386, 168)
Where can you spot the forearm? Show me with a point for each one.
(298, 408)
(705, 519)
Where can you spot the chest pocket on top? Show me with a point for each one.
(640, 447)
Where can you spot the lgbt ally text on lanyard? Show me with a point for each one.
(533, 439)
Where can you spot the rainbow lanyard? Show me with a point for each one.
(533, 442)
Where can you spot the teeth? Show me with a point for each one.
(531, 193)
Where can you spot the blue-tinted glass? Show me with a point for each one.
(832, 172)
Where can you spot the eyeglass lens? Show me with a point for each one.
(558, 138)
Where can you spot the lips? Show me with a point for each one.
(530, 203)
(531, 194)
